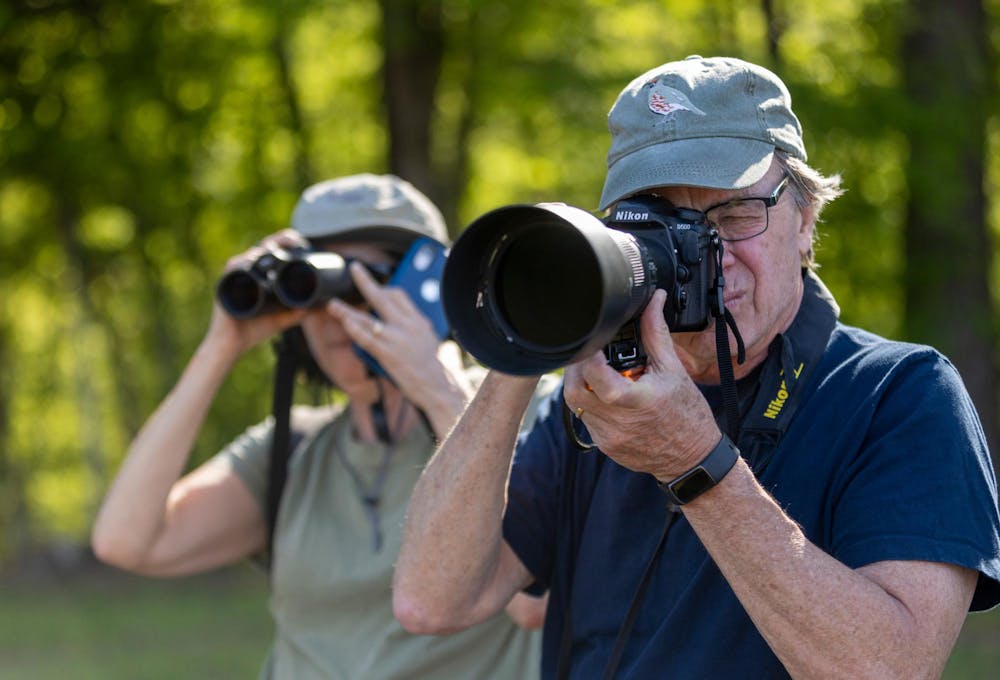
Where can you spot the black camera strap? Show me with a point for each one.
(731, 424)
(281, 445)
(633, 611)
(723, 322)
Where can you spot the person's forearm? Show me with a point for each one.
(446, 403)
(453, 538)
(134, 509)
(820, 617)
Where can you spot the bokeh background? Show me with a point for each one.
(144, 142)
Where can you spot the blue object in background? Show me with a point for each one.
(419, 274)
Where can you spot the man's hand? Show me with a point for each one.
(659, 423)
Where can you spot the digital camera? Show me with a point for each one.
(531, 288)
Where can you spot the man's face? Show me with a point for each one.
(763, 275)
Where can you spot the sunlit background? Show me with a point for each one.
(142, 143)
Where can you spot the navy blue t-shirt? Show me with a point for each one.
(885, 459)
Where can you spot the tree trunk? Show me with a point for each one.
(413, 42)
(949, 89)
(775, 28)
(14, 522)
(304, 173)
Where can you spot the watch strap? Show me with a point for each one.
(704, 475)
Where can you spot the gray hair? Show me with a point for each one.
(810, 189)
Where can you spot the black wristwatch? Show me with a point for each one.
(704, 475)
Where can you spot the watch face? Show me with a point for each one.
(691, 485)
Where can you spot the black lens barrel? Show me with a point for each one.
(530, 288)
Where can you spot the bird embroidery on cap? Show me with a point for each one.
(665, 100)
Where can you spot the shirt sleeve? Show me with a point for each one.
(922, 486)
(249, 456)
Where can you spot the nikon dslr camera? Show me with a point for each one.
(530, 288)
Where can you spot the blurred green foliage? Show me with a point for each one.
(143, 143)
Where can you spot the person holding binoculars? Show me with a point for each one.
(332, 541)
(768, 492)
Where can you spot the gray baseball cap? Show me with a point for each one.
(379, 208)
(711, 122)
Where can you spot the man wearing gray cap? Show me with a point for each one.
(841, 527)
(332, 540)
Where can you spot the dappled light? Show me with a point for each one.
(143, 144)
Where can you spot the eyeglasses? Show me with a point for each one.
(743, 218)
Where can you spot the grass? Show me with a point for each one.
(108, 626)
(977, 653)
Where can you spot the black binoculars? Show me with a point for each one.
(290, 279)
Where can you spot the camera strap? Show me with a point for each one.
(281, 442)
(731, 424)
(791, 359)
(633, 611)
(723, 322)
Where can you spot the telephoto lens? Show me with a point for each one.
(531, 288)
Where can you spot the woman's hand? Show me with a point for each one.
(429, 372)
(237, 336)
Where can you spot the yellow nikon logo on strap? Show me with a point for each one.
(774, 408)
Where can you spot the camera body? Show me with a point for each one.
(674, 245)
(531, 288)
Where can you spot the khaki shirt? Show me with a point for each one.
(331, 598)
